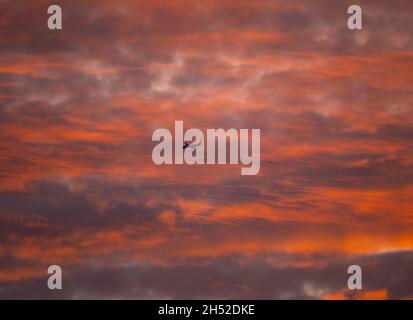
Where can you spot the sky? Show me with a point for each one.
(78, 187)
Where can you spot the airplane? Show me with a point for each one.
(186, 145)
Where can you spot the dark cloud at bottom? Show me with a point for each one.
(226, 277)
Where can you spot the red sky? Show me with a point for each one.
(78, 187)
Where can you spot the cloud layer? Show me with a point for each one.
(78, 186)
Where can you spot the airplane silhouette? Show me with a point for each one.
(186, 145)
